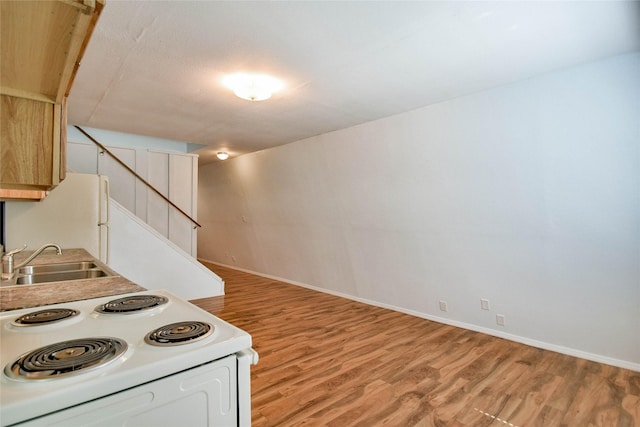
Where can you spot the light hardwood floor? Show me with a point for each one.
(329, 361)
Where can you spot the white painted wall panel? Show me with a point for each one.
(147, 258)
(526, 194)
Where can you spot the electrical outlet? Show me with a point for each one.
(233, 258)
(500, 318)
(443, 305)
(484, 304)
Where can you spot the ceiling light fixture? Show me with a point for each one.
(222, 155)
(253, 87)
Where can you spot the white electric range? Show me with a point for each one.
(139, 359)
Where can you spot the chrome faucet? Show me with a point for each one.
(7, 259)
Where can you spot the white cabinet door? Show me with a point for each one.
(157, 208)
(182, 171)
(123, 183)
(88, 158)
(82, 158)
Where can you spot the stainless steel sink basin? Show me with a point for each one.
(30, 279)
(58, 272)
(51, 268)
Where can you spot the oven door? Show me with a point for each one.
(202, 396)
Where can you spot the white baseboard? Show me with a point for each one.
(523, 340)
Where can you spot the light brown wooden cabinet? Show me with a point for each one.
(30, 146)
(41, 43)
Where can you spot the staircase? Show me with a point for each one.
(153, 203)
(159, 187)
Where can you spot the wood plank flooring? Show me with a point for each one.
(329, 361)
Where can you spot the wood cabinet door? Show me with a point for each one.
(29, 143)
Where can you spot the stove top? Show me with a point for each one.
(61, 355)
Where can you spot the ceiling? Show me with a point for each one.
(156, 67)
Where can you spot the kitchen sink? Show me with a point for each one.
(52, 268)
(60, 276)
(58, 272)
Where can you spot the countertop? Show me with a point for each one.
(25, 296)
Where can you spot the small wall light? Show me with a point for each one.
(222, 155)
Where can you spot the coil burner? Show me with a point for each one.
(132, 304)
(42, 317)
(179, 333)
(66, 358)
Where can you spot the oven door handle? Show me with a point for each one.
(245, 358)
(249, 353)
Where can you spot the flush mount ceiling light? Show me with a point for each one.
(252, 87)
(222, 155)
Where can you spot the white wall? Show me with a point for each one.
(527, 195)
(145, 257)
